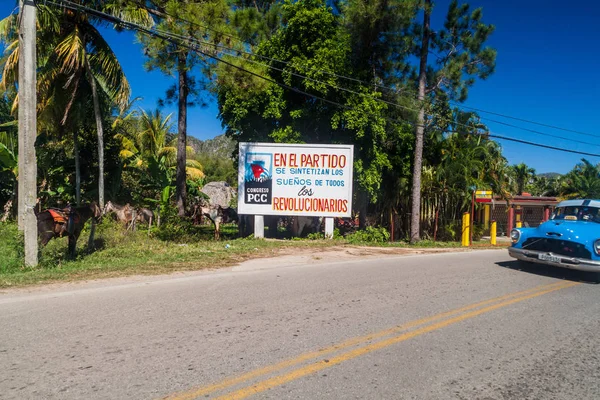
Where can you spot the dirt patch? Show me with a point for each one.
(300, 256)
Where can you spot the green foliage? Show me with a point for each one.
(478, 232)
(8, 160)
(369, 235)
(217, 168)
(461, 54)
(8, 150)
(175, 229)
(370, 40)
(315, 236)
(380, 39)
(314, 43)
(194, 187)
(450, 232)
(583, 182)
(522, 175)
(11, 248)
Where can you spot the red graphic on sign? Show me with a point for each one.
(257, 170)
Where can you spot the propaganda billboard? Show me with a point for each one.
(295, 179)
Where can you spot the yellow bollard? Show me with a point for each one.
(519, 224)
(486, 216)
(465, 229)
(462, 231)
(493, 233)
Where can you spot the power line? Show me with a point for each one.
(525, 120)
(412, 109)
(191, 39)
(542, 145)
(152, 32)
(386, 87)
(186, 38)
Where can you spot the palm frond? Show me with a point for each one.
(11, 66)
(8, 28)
(168, 152)
(134, 14)
(8, 159)
(47, 20)
(127, 114)
(107, 69)
(71, 52)
(194, 164)
(194, 173)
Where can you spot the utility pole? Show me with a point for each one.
(28, 129)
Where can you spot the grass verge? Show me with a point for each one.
(119, 253)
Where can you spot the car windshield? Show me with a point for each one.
(577, 213)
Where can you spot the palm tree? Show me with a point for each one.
(583, 181)
(522, 175)
(496, 171)
(75, 63)
(153, 152)
(84, 57)
(546, 186)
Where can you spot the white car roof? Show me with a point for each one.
(579, 202)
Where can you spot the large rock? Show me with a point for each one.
(219, 193)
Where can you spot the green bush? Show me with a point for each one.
(450, 232)
(478, 232)
(177, 229)
(369, 235)
(321, 235)
(11, 247)
(315, 236)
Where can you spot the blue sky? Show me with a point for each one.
(547, 67)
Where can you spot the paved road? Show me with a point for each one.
(444, 326)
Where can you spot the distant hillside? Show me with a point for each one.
(549, 175)
(220, 146)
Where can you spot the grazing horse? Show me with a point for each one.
(217, 214)
(124, 213)
(69, 221)
(144, 215)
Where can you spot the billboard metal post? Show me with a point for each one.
(329, 228)
(259, 227)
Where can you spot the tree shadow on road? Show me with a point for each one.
(552, 272)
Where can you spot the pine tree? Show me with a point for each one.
(460, 58)
(200, 21)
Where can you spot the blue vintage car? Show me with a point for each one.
(570, 239)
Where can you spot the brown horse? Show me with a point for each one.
(57, 222)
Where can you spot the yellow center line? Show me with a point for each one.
(194, 393)
(320, 365)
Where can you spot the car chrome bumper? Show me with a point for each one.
(565, 261)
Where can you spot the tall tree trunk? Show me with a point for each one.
(100, 132)
(415, 217)
(77, 167)
(180, 180)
